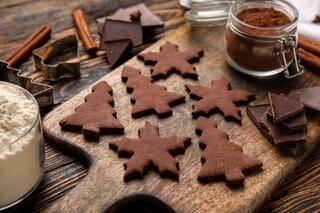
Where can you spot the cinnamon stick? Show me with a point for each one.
(309, 45)
(309, 58)
(84, 32)
(24, 51)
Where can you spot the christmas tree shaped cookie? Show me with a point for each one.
(221, 158)
(148, 97)
(96, 115)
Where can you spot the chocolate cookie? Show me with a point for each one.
(170, 59)
(218, 96)
(148, 97)
(221, 158)
(96, 115)
(150, 149)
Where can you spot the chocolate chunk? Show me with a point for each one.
(294, 123)
(283, 107)
(310, 97)
(279, 134)
(116, 49)
(255, 113)
(114, 30)
(148, 19)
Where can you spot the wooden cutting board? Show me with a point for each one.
(104, 184)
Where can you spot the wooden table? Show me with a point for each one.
(301, 192)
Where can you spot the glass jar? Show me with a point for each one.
(22, 159)
(207, 12)
(263, 51)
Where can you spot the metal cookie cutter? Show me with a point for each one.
(45, 59)
(42, 93)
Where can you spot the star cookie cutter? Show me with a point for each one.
(44, 59)
(42, 93)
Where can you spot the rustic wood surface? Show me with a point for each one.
(299, 193)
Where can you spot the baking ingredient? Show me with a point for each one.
(252, 49)
(24, 51)
(310, 97)
(135, 16)
(118, 38)
(263, 17)
(81, 24)
(309, 51)
(150, 150)
(115, 30)
(21, 150)
(296, 122)
(116, 49)
(221, 158)
(148, 19)
(256, 113)
(279, 134)
(317, 19)
(283, 107)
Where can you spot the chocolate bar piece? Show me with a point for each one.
(115, 49)
(310, 97)
(294, 123)
(279, 134)
(283, 107)
(255, 113)
(114, 30)
(148, 19)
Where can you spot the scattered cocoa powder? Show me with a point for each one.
(263, 17)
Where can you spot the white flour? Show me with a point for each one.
(20, 161)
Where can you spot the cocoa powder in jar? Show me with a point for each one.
(252, 49)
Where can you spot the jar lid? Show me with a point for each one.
(207, 12)
(185, 3)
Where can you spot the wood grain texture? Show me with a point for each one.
(104, 183)
(301, 191)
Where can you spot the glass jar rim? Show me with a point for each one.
(29, 96)
(282, 27)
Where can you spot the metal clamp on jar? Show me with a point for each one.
(263, 51)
